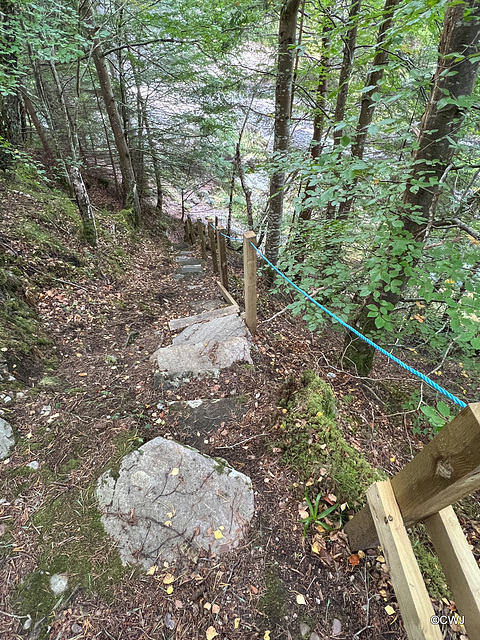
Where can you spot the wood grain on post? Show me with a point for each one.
(213, 248)
(459, 566)
(222, 256)
(201, 235)
(446, 470)
(250, 280)
(410, 590)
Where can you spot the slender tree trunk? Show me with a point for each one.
(10, 121)
(283, 92)
(131, 198)
(38, 126)
(346, 68)
(76, 179)
(372, 85)
(455, 77)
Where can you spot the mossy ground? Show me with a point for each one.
(73, 543)
(312, 440)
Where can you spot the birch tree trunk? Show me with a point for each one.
(283, 92)
(76, 179)
(455, 78)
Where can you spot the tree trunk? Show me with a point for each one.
(38, 126)
(346, 68)
(283, 92)
(76, 179)
(454, 78)
(10, 121)
(372, 84)
(131, 198)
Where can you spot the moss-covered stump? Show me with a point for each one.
(312, 441)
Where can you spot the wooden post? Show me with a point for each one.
(201, 235)
(183, 205)
(407, 580)
(213, 248)
(187, 235)
(459, 566)
(250, 280)
(222, 256)
(191, 231)
(446, 470)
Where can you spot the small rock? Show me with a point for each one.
(304, 629)
(28, 623)
(33, 465)
(58, 583)
(46, 409)
(331, 375)
(6, 398)
(7, 439)
(19, 395)
(314, 636)
(169, 622)
(76, 628)
(337, 627)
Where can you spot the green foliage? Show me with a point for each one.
(314, 518)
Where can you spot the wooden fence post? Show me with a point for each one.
(191, 231)
(222, 256)
(201, 235)
(250, 280)
(187, 236)
(213, 247)
(446, 470)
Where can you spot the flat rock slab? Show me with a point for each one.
(169, 500)
(194, 421)
(7, 439)
(179, 363)
(206, 305)
(184, 260)
(214, 330)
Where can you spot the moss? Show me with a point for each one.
(273, 603)
(312, 440)
(75, 544)
(429, 564)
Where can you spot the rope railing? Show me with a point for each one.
(344, 324)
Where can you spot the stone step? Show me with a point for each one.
(195, 421)
(179, 363)
(181, 323)
(217, 330)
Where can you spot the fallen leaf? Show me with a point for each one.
(168, 523)
(215, 608)
(236, 622)
(218, 534)
(301, 599)
(266, 635)
(82, 375)
(207, 606)
(168, 579)
(253, 589)
(354, 559)
(175, 471)
(381, 559)
(331, 498)
(169, 589)
(178, 604)
(152, 570)
(211, 633)
(390, 610)
(361, 554)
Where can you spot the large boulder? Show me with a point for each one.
(170, 500)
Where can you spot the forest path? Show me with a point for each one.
(100, 405)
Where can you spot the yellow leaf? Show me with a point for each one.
(284, 411)
(175, 472)
(236, 622)
(301, 599)
(319, 413)
(207, 606)
(169, 589)
(168, 523)
(152, 570)
(361, 554)
(211, 633)
(390, 610)
(315, 547)
(218, 534)
(380, 559)
(83, 374)
(168, 579)
(437, 373)
(29, 435)
(266, 635)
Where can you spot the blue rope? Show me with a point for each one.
(224, 234)
(420, 375)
